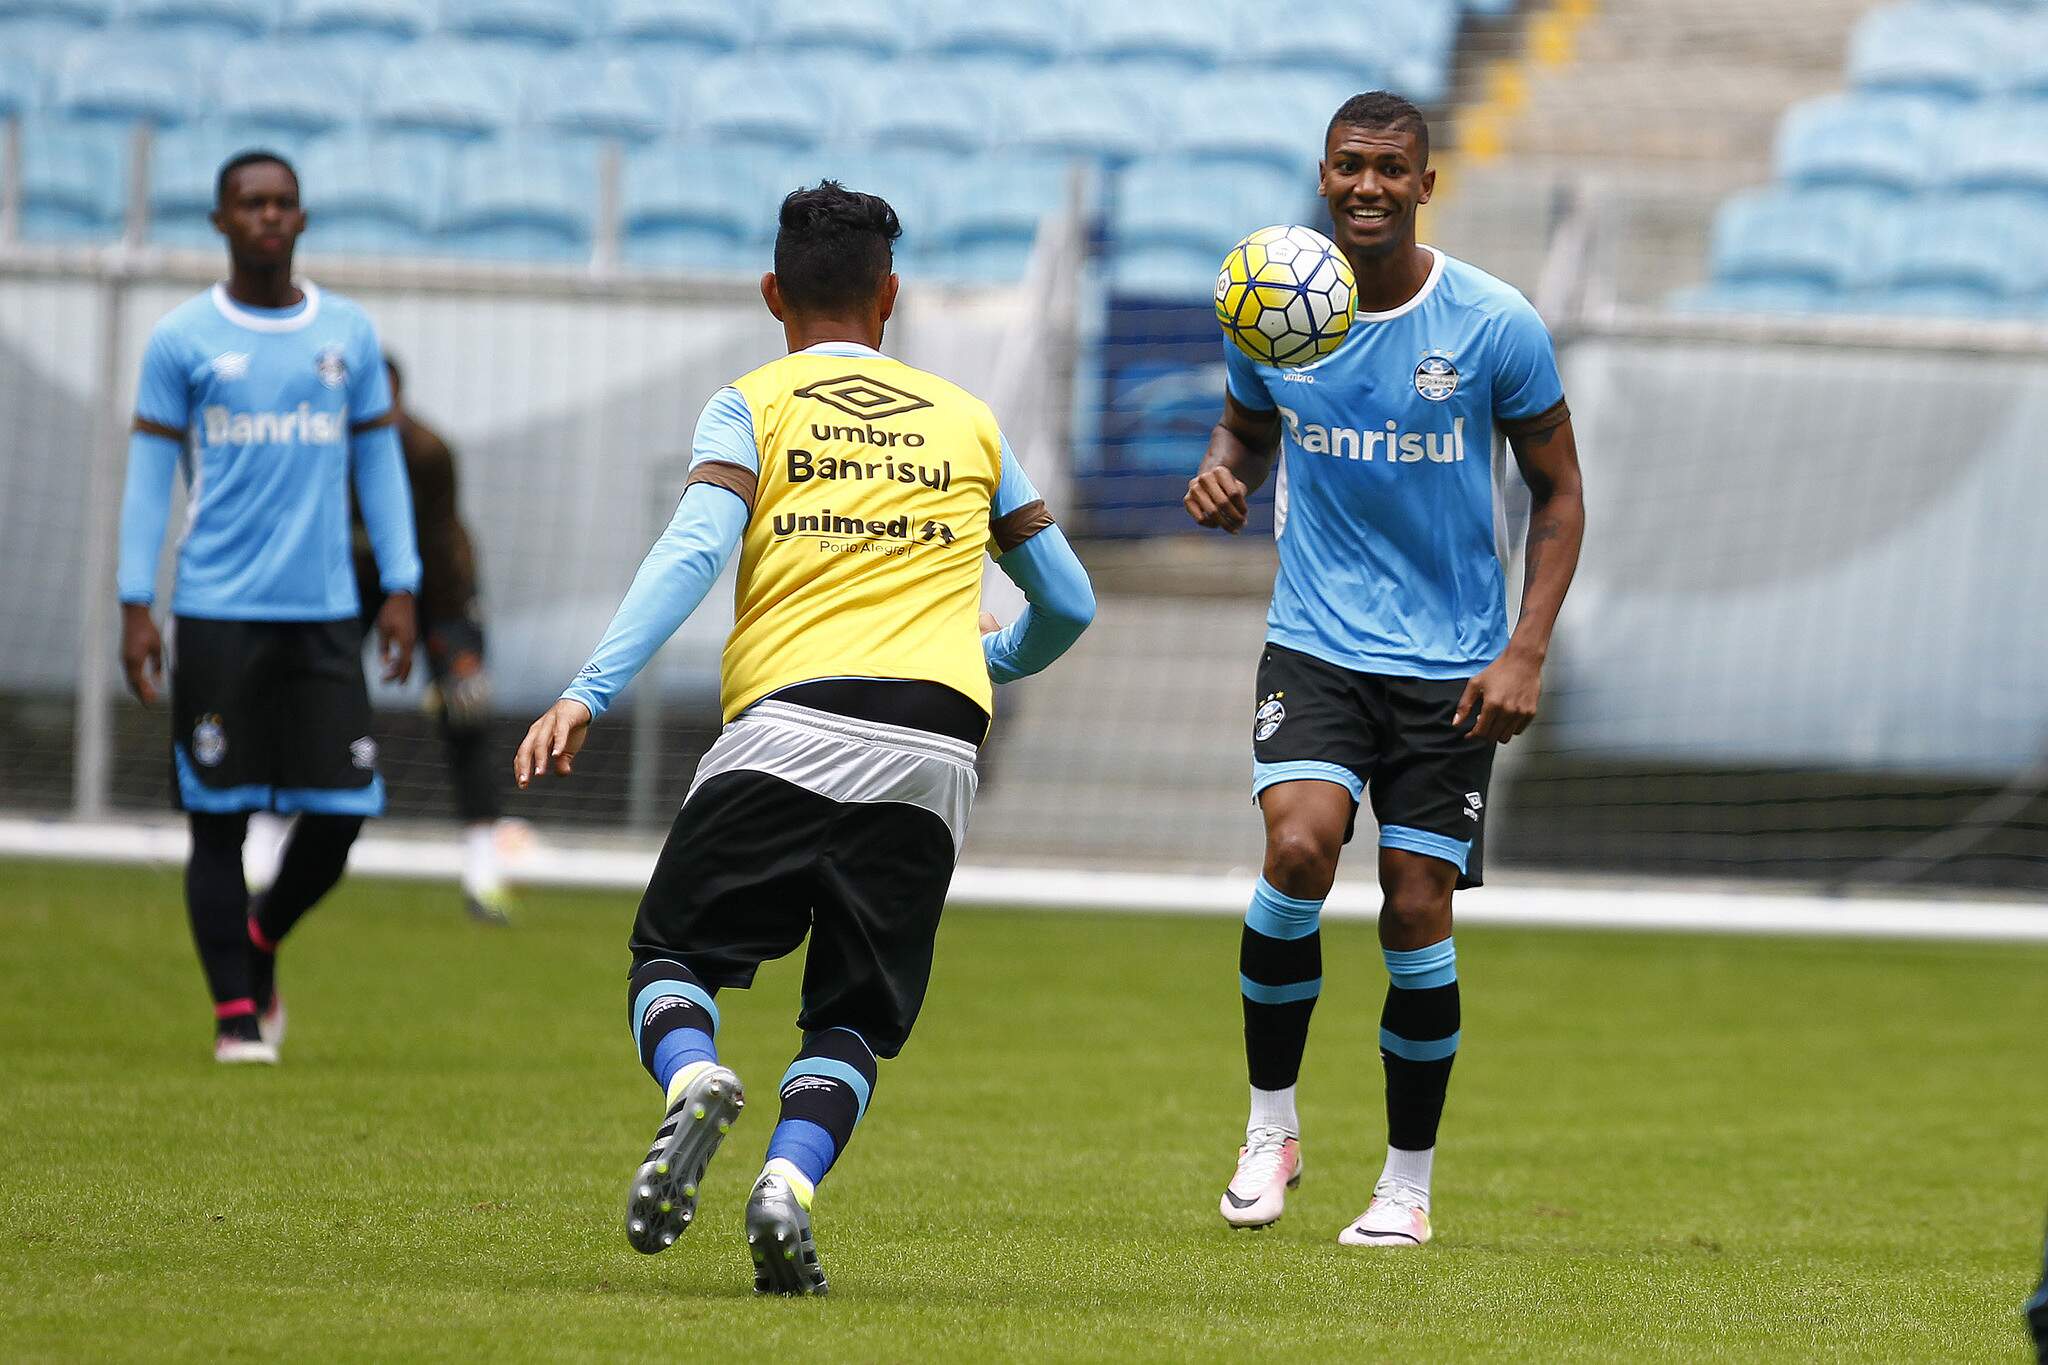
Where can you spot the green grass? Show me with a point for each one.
(1658, 1148)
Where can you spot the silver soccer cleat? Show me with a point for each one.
(663, 1198)
(779, 1240)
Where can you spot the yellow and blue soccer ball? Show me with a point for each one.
(1286, 296)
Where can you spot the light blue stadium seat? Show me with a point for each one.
(291, 83)
(222, 18)
(1172, 201)
(549, 23)
(455, 90)
(1490, 8)
(874, 28)
(70, 14)
(1190, 33)
(184, 164)
(755, 100)
(1341, 40)
(1944, 301)
(1993, 246)
(73, 180)
(1165, 271)
(21, 84)
(1764, 296)
(1934, 49)
(1816, 237)
(117, 78)
(2026, 76)
(389, 20)
(1027, 32)
(986, 216)
(522, 199)
(597, 95)
(1263, 121)
(925, 104)
(1082, 111)
(2001, 147)
(1860, 139)
(374, 193)
(697, 25)
(909, 178)
(686, 205)
(989, 261)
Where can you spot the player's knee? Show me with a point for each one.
(1301, 860)
(1416, 907)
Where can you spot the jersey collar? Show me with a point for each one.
(1436, 272)
(265, 320)
(842, 348)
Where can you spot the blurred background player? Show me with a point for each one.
(270, 397)
(1388, 663)
(862, 495)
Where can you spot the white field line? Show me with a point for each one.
(1550, 904)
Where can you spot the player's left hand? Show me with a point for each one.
(552, 742)
(1501, 701)
(398, 635)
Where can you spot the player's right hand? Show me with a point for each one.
(142, 652)
(1216, 497)
(553, 741)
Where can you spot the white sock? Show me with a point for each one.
(480, 874)
(1410, 1169)
(263, 849)
(1274, 1109)
(798, 1181)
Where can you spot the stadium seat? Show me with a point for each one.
(73, 14)
(1880, 140)
(184, 164)
(699, 25)
(389, 20)
(376, 193)
(21, 85)
(1933, 49)
(874, 28)
(1945, 301)
(73, 180)
(115, 78)
(2027, 77)
(986, 217)
(521, 198)
(1330, 39)
(1268, 124)
(1165, 271)
(1170, 202)
(1190, 33)
(755, 100)
(1080, 111)
(599, 96)
(1991, 246)
(930, 104)
(293, 84)
(2002, 147)
(548, 23)
(990, 261)
(1767, 296)
(1027, 32)
(695, 207)
(223, 18)
(909, 178)
(455, 90)
(1815, 237)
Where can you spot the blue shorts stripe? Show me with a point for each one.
(1261, 994)
(197, 796)
(330, 800)
(1281, 916)
(655, 990)
(1420, 969)
(1427, 1050)
(1266, 775)
(1452, 851)
(833, 1069)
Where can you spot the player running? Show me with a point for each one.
(270, 397)
(861, 495)
(1388, 664)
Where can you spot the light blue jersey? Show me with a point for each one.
(277, 410)
(1387, 516)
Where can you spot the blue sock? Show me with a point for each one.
(824, 1094)
(1419, 1032)
(675, 1022)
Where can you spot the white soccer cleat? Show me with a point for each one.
(1397, 1217)
(271, 1023)
(1268, 1166)
(240, 1051)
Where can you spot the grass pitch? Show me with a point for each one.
(1657, 1148)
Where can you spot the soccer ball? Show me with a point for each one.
(1286, 296)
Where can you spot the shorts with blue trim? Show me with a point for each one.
(1390, 736)
(271, 715)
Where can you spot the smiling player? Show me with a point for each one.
(1388, 666)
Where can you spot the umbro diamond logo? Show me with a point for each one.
(857, 395)
(230, 365)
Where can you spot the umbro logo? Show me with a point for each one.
(230, 365)
(799, 1084)
(857, 395)
(1474, 803)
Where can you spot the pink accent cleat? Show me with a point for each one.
(1268, 1166)
(1397, 1217)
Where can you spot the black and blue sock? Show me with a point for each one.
(675, 1021)
(1280, 974)
(1419, 1030)
(825, 1093)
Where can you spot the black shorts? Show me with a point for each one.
(1315, 721)
(803, 822)
(271, 715)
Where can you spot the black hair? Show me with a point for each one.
(1382, 109)
(254, 157)
(832, 247)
